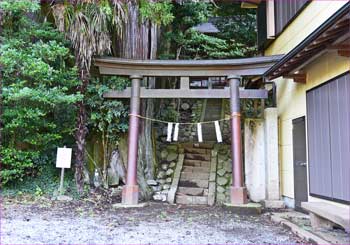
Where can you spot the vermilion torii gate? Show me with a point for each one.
(232, 69)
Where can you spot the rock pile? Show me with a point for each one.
(167, 155)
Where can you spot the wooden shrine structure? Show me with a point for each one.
(233, 70)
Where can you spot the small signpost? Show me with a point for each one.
(63, 160)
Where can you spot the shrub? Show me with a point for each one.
(16, 164)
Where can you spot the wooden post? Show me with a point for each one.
(130, 193)
(238, 191)
(61, 190)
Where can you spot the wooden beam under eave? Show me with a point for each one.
(342, 49)
(344, 53)
(297, 78)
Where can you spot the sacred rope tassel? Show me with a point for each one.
(176, 132)
(218, 131)
(170, 129)
(199, 132)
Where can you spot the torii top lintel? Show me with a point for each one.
(254, 66)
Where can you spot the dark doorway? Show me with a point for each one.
(299, 162)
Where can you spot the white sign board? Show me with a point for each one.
(64, 156)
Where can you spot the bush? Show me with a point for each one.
(16, 164)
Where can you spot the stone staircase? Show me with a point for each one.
(212, 112)
(193, 186)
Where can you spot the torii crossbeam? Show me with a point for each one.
(232, 69)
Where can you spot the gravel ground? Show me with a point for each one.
(90, 222)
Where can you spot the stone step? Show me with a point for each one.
(194, 183)
(195, 169)
(201, 157)
(207, 145)
(194, 176)
(197, 150)
(191, 191)
(196, 163)
(191, 200)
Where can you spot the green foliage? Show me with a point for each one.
(169, 114)
(16, 8)
(39, 81)
(88, 25)
(159, 12)
(16, 164)
(108, 117)
(237, 36)
(45, 183)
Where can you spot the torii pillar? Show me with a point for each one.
(238, 190)
(130, 193)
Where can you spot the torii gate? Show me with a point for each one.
(232, 69)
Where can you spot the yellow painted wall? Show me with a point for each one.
(291, 97)
(291, 102)
(315, 13)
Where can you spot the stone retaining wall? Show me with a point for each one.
(223, 173)
(167, 156)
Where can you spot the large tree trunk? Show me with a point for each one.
(140, 42)
(81, 132)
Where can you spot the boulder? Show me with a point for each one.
(164, 166)
(172, 148)
(168, 180)
(221, 172)
(169, 172)
(161, 181)
(152, 182)
(166, 187)
(228, 166)
(220, 189)
(159, 197)
(222, 181)
(172, 165)
(164, 192)
(221, 197)
(113, 177)
(156, 188)
(163, 154)
(161, 174)
(171, 157)
(185, 106)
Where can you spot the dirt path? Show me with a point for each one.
(48, 222)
